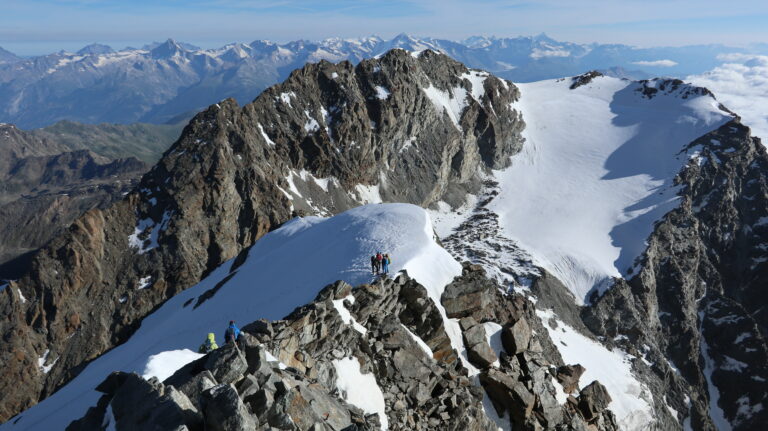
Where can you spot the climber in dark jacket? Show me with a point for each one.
(374, 265)
(232, 334)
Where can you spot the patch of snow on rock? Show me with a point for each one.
(360, 390)
(419, 341)
(264, 135)
(493, 336)
(162, 365)
(346, 316)
(453, 103)
(382, 93)
(613, 368)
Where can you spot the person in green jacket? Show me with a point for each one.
(209, 345)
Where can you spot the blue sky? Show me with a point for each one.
(30, 27)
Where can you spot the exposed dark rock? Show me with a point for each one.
(478, 350)
(699, 286)
(568, 376)
(224, 184)
(225, 411)
(45, 186)
(584, 79)
(516, 337)
(593, 399)
(240, 388)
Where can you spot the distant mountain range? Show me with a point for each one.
(162, 82)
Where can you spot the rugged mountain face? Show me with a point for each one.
(163, 80)
(407, 128)
(7, 57)
(686, 309)
(383, 341)
(45, 187)
(697, 296)
(625, 237)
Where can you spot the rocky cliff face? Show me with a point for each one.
(402, 128)
(696, 297)
(296, 373)
(689, 313)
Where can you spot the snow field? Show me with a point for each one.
(595, 173)
(284, 269)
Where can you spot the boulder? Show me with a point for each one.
(225, 411)
(498, 385)
(468, 298)
(194, 386)
(478, 350)
(515, 337)
(260, 402)
(139, 404)
(247, 386)
(568, 376)
(227, 363)
(593, 400)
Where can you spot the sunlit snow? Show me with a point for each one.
(595, 173)
(267, 286)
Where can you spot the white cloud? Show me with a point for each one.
(741, 84)
(656, 63)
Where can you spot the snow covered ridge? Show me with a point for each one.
(331, 249)
(597, 170)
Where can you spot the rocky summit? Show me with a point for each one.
(400, 128)
(612, 234)
(294, 373)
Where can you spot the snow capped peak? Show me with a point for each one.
(543, 38)
(597, 170)
(168, 49)
(95, 49)
(478, 41)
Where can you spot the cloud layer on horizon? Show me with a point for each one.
(656, 63)
(741, 84)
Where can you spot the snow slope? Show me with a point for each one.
(595, 172)
(613, 368)
(284, 269)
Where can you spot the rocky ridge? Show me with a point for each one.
(400, 128)
(689, 314)
(394, 333)
(694, 301)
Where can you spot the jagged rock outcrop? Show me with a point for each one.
(396, 335)
(399, 128)
(697, 297)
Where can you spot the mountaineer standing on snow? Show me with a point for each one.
(385, 262)
(379, 261)
(232, 333)
(374, 265)
(208, 345)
